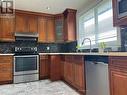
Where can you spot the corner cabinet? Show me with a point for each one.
(6, 69)
(118, 75)
(70, 25)
(120, 12)
(59, 22)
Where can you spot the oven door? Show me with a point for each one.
(26, 64)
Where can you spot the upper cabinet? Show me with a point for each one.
(120, 12)
(59, 22)
(42, 26)
(7, 26)
(26, 23)
(46, 29)
(69, 25)
(33, 23)
(21, 25)
(51, 28)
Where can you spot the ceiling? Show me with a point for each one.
(56, 6)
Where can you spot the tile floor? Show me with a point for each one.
(43, 87)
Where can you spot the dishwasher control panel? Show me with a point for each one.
(96, 58)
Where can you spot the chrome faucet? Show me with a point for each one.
(89, 41)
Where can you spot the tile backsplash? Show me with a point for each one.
(6, 47)
(58, 47)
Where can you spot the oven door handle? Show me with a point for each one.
(26, 55)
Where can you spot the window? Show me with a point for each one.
(97, 24)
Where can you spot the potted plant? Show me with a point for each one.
(102, 46)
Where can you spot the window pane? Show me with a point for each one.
(103, 30)
(87, 28)
(106, 31)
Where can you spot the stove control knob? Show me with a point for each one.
(35, 48)
(16, 48)
(19, 48)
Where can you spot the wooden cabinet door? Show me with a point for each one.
(42, 26)
(6, 71)
(70, 75)
(70, 25)
(65, 71)
(21, 23)
(50, 30)
(55, 68)
(33, 23)
(79, 76)
(118, 82)
(59, 27)
(7, 29)
(44, 66)
(69, 70)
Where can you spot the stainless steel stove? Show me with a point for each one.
(26, 59)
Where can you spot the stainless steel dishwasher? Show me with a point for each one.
(97, 79)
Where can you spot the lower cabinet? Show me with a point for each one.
(74, 72)
(6, 69)
(66, 67)
(79, 76)
(118, 75)
(55, 67)
(44, 67)
(69, 72)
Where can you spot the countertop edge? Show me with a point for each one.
(101, 54)
(7, 54)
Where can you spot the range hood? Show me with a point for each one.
(26, 34)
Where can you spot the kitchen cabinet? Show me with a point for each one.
(6, 71)
(62, 66)
(69, 25)
(79, 73)
(21, 25)
(42, 29)
(118, 75)
(46, 29)
(55, 67)
(120, 12)
(7, 26)
(74, 72)
(51, 30)
(59, 22)
(69, 72)
(32, 23)
(44, 67)
(26, 23)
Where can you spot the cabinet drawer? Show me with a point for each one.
(68, 58)
(44, 57)
(6, 59)
(6, 76)
(6, 67)
(118, 62)
(78, 59)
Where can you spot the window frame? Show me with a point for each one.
(95, 12)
